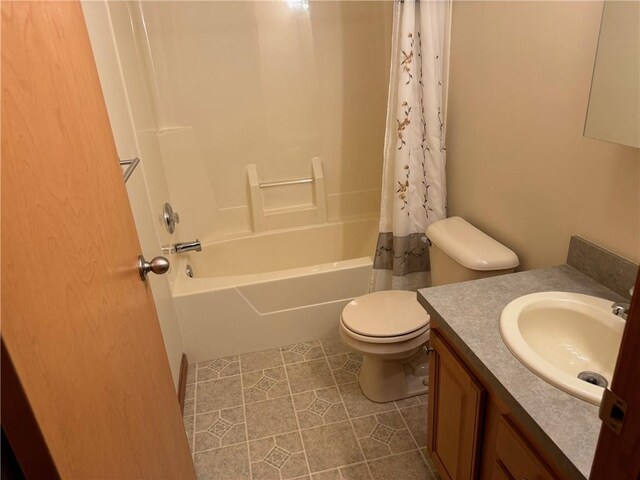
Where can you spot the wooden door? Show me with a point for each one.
(618, 454)
(87, 391)
(455, 414)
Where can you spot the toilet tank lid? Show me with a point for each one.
(469, 246)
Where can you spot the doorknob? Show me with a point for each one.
(157, 265)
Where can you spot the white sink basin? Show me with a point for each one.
(558, 335)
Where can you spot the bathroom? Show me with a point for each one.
(266, 128)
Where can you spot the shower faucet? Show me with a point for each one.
(183, 247)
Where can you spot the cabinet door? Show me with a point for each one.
(499, 472)
(514, 454)
(455, 414)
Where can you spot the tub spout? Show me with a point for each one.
(184, 247)
(194, 246)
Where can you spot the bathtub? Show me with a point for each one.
(271, 289)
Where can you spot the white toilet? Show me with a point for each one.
(390, 328)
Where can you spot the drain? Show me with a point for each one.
(189, 271)
(593, 378)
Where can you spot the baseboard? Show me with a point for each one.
(182, 381)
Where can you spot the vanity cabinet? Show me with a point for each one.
(471, 433)
(455, 413)
(515, 457)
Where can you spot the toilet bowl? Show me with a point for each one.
(387, 328)
(390, 328)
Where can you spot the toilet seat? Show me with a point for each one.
(385, 317)
(396, 339)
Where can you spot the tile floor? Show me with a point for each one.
(297, 412)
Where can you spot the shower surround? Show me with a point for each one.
(263, 88)
(231, 103)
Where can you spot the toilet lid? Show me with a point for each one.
(385, 314)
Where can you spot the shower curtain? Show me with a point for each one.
(413, 180)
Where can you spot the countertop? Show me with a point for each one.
(468, 314)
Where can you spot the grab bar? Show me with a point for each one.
(265, 218)
(131, 165)
(280, 183)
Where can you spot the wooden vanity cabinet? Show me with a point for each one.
(515, 456)
(455, 414)
(470, 433)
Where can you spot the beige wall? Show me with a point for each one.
(518, 165)
(265, 83)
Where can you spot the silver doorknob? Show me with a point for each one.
(157, 265)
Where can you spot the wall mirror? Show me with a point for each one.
(614, 102)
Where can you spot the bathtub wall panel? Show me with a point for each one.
(277, 251)
(270, 83)
(139, 102)
(147, 182)
(193, 198)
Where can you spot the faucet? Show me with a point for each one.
(621, 309)
(183, 247)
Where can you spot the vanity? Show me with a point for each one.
(489, 416)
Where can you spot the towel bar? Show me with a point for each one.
(131, 165)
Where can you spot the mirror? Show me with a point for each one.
(614, 103)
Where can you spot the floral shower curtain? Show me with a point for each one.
(413, 181)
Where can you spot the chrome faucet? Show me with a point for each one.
(621, 309)
(183, 247)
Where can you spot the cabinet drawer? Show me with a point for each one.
(514, 457)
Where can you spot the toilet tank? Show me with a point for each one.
(459, 252)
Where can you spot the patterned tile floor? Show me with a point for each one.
(297, 412)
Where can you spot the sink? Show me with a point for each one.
(560, 335)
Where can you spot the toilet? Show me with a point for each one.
(390, 328)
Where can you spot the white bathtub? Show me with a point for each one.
(271, 289)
